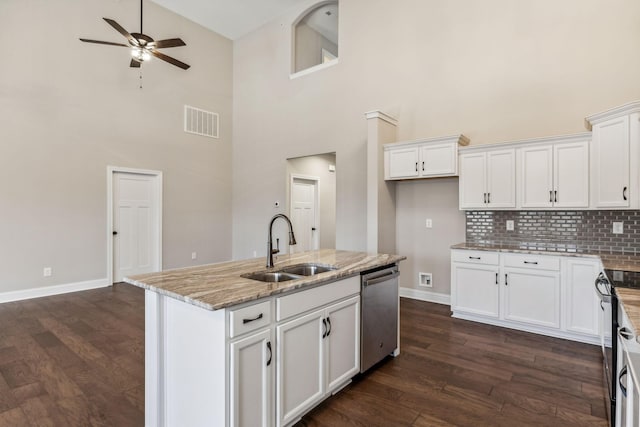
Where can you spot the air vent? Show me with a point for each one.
(201, 122)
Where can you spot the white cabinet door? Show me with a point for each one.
(475, 289)
(610, 154)
(472, 182)
(438, 160)
(501, 179)
(581, 305)
(536, 176)
(571, 175)
(300, 366)
(403, 163)
(342, 342)
(532, 296)
(251, 380)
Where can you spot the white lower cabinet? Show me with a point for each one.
(532, 297)
(550, 295)
(317, 354)
(252, 366)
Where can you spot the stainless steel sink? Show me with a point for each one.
(308, 269)
(271, 276)
(290, 273)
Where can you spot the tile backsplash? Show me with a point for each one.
(565, 231)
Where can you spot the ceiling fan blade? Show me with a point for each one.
(169, 59)
(160, 44)
(101, 42)
(122, 31)
(135, 64)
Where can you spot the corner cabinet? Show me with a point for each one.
(549, 295)
(615, 154)
(427, 158)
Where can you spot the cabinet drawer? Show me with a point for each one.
(298, 303)
(249, 318)
(477, 257)
(539, 262)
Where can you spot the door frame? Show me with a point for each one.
(316, 181)
(157, 176)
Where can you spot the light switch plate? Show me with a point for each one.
(509, 225)
(618, 228)
(429, 223)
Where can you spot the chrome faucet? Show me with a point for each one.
(270, 250)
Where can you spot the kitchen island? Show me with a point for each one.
(223, 349)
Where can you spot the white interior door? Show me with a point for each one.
(136, 217)
(304, 213)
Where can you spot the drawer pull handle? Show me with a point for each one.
(531, 262)
(324, 328)
(624, 193)
(623, 389)
(496, 278)
(329, 323)
(506, 280)
(625, 333)
(258, 317)
(474, 257)
(270, 353)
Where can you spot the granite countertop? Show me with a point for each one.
(630, 300)
(609, 261)
(217, 286)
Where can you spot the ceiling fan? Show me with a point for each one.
(142, 46)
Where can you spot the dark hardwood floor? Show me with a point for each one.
(457, 373)
(78, 360)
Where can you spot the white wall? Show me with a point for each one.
(494, 70)
(69, 109)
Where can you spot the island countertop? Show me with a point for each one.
(217, 286)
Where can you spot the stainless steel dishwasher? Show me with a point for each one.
(379, 315)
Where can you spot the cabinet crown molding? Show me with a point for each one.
(531, 141)
(460, 139)
(377, 114)
(622, 110)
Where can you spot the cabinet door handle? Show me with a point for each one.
(555, 196)
(416, 166)
(329, 323)
(474, 257)
(324, 328)
(624, 193)
(550, 196)
(496, 278)
(488, 197)
(531, 262)
(270, 353)
(623, 372)
(422, 166)
(506, 279)
(625, 333)
(485, 197)
(258, 317)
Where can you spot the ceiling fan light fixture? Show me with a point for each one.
(140, 54)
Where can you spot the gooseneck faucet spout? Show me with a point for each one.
(270, 250)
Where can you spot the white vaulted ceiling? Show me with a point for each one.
(230, 18)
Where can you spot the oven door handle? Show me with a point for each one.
(603, 297)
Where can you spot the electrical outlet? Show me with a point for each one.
(618, 276)
(509, 225)
(47, 272)
(194, 255)
(618, 228)
(429, 223)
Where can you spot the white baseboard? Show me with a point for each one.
(428, 296)
(47, 291)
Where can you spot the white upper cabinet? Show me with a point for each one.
(427, 158)
(487, 179)
(554, 173)
(614, 157)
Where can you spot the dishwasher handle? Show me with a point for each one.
(388, 275)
